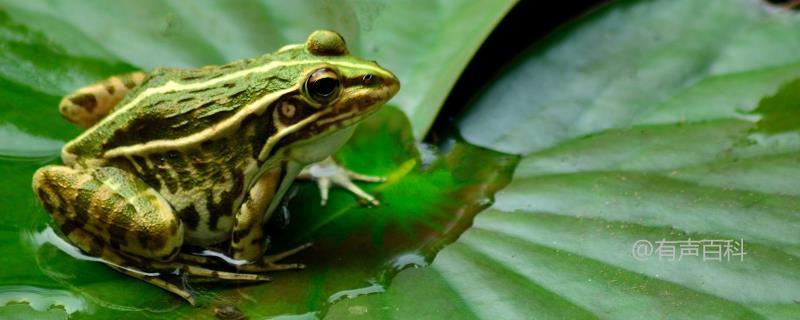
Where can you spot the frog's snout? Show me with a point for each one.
(384, 82)
(392, 83)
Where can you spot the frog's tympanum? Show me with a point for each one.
(201, 158)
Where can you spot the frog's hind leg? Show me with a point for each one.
(83, 239)
(89, 104)
(111, 214)
(112, 205)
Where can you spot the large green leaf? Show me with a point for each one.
(646, 120)
(638, 62)
(48, 48)
(56, 46)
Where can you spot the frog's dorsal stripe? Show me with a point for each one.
(220, 129)
(173, 86)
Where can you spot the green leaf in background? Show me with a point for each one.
(638, 62)
(643, 121)
(57, 46)
(49, 48)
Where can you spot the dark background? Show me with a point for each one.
(526, 24)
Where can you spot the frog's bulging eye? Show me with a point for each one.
(323, 85)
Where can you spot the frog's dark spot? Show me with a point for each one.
(192, 77)
(141, 162)
(200, 163)
(118, 232)
(213, 210)
(157, 241)
(128, 82)
(115, 244)
(239, 234)
(207, 145)
(110, 89)
(186, 178)
(200, 90)
(85, 100)
(143, 239)
(44, 199)
(95, 249)
(257, 241)
(82, 204)
(151, 180)
(64, 204)
(190, 217)
(68, 226)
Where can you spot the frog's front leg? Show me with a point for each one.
(89, 104)
(327, 172)
(248, 241)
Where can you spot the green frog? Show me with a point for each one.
(201, 158)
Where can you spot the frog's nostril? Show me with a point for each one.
(368, 79)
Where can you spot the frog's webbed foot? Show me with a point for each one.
(327, 172)
(270, 262)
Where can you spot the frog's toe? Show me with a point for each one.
(328, 173)
(271, 266)
(346, 182)
(201, 272)
(270, 262)
(158, 282)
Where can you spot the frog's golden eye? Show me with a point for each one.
(323, 85)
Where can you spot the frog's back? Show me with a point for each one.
(175, 103)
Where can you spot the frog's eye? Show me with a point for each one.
(323, 85)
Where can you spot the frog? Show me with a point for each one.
(179, 158)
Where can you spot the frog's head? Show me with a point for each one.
(334, 89)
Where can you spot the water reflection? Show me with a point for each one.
(41, 299)
(48, 235)
(15, 143)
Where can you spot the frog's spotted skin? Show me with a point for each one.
(108, 202)
(204, 156)
(91, 103)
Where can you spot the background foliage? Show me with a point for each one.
(644, 120)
